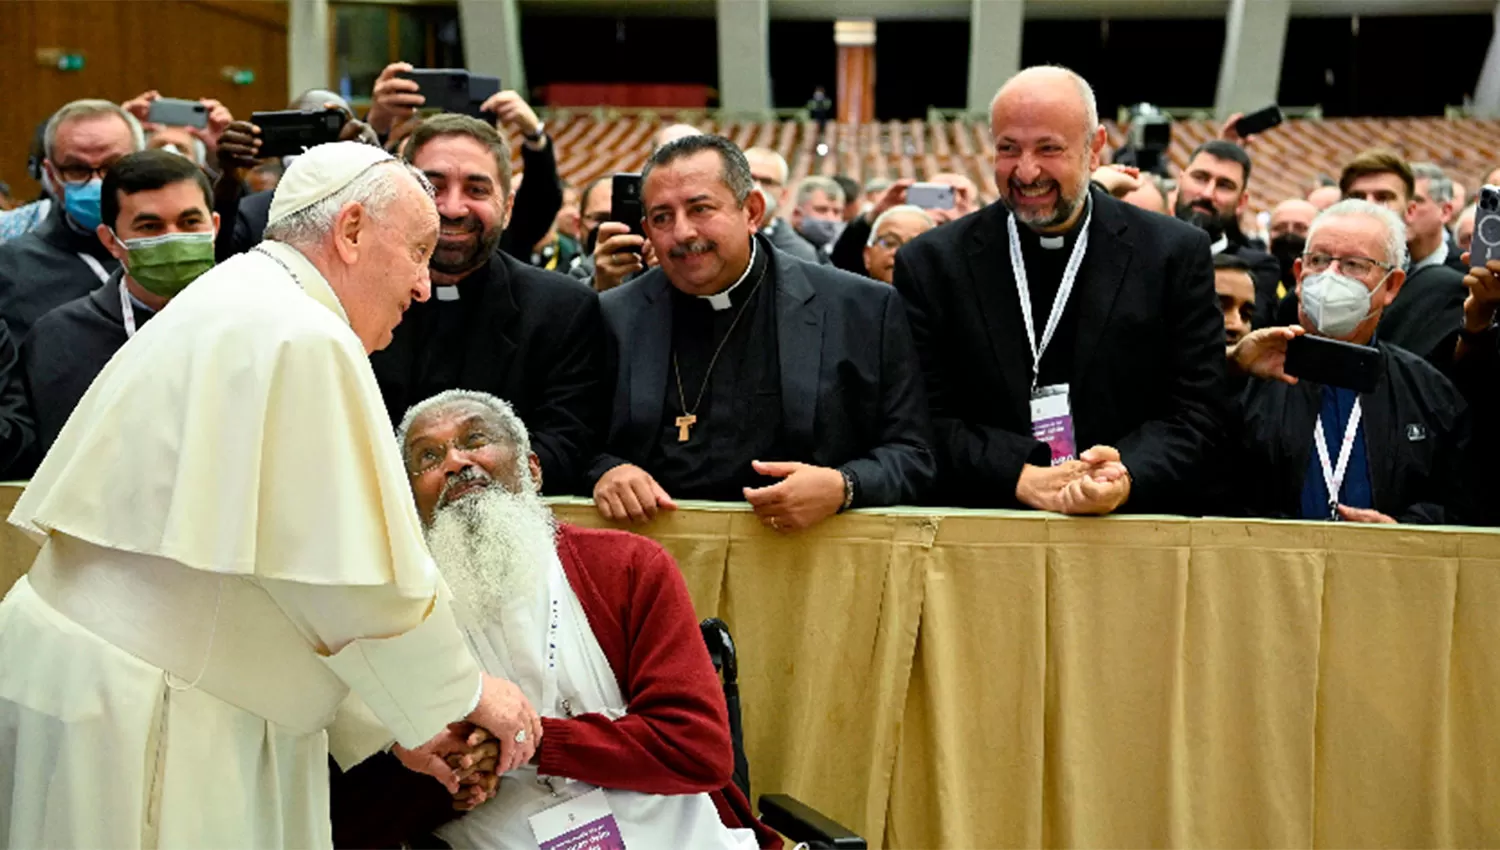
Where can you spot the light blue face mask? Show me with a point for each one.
(82, 203)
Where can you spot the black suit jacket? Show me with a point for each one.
(1148, 363)
(1416, 428)
(1427, 315)
(542, 348)
(851, 393)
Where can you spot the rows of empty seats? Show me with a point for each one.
(1288, 159)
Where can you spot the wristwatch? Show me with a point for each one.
(541, 130)
(848, 490)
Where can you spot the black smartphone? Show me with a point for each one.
(177, 112)
(1333, 362)
(481, 88)
(1259, 121)
(625, 205)
(446, 89)
(289, 132)
(1486, 244)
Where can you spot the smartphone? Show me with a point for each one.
(1486, 244)
(178, 113)
(445, 89)
(1333, 362)
(1259, 121)
(625, 206)
(291, 131)
(930, 196)
(481, 88)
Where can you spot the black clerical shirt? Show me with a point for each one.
(739, 417)
(442, 333)
(1044, 271)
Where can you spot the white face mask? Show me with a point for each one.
(1337, 303)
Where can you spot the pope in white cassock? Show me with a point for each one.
(229, 548)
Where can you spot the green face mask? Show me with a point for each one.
(164, 265)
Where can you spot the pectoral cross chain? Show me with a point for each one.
(685, 426)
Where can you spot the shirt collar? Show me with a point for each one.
(1436, 258)
(720, 300)
(1219, 247)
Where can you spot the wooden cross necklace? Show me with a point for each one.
(689, 418)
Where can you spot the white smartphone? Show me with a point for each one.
(930, 196)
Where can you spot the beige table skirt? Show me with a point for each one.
(966, 679)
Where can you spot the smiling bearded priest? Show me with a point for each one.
(229, 548)
(596, 627)
(1072, 344)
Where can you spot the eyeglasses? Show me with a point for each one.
(1353, 266)
(75, 175)
(890, 242)
(425, 458)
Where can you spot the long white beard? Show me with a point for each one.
(492, 547)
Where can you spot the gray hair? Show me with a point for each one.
(1395, 230)
(876, 185)
(1439, 186)
(817, 183)
(90, 108)
(901, 209)
(786, 170)
(1085, 92)
(374, 189)
(499, 411)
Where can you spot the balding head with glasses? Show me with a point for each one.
(1351, 270)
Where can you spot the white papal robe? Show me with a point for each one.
(229, 546)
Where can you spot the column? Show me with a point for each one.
(855, 101)
(307, 59)
(1254, 42)
(1487, 89)
(744, 56)
(994, 48)
(492, 41)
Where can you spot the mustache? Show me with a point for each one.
(470, 223)
(467, 475)
(697, 246)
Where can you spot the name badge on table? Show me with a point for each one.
(1052, 421)
(583, 823)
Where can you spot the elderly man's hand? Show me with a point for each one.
(1262, 353)
(804, 497)
(505, 712)
(478, 780)
(893, 196)
(239, 147)
(1118, 180)
(1102, 489)
(618, 254)
(443, 756)
(628, 492)
(394, 99)
(510, 110)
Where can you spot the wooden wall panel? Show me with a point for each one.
(178, 47)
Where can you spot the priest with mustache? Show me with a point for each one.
(1071, 344)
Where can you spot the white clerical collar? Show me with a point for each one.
(1056, 243)
(1052, 243)
(445, 293)
(720, 300)
(1218, 247)
(1436, 258)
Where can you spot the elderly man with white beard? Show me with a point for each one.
(597, 629)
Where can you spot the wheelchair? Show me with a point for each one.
(792, 818)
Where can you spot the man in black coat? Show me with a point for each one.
(1111, 338)
(1394, 453)
(1211, 193)
(745, 373)
(495, 323)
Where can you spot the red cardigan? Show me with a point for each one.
(673, 740)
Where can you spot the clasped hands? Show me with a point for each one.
(805, 495)
(1097, 483)
(470, 756)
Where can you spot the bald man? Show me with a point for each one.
(849, 251)
(673, 132)
(1324, 197)
(1072, 344)
(770, 171)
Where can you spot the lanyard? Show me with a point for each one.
(1333, 476)
(94, 264)
(1059, 302)
(127, 310)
